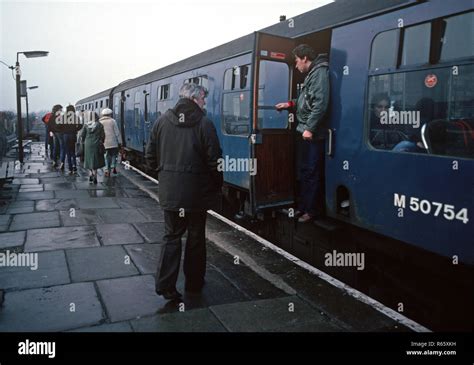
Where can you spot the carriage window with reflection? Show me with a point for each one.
(236, 101)
(426, 111)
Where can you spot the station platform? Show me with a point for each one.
(97, 250)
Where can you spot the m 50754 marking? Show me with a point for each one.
(427, 207)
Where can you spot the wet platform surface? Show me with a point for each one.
(98, 248)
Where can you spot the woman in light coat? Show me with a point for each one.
(112, 141)
(93, 137)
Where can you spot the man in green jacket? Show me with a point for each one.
(311, 110)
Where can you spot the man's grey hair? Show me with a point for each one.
(192, 91)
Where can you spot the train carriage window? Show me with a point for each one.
(199, 80)
(458, 39)
(274, 79)
(136, 109)
(101, 103)
(416, 44)
(96, 104)
(236, 113)
(385, 50)
(237, 77)
(164, 92)
(423, 111)
(116, 106)
(107, 102)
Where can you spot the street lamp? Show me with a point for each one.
(27, 114)
(27, 54)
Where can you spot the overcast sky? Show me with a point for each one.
(95, 45)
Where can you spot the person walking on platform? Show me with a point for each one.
(112, 141)
(93, 137)
(72, 125)
(311, 111)
(184, 149)
(54, 132)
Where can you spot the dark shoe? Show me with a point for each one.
(172, 294)
(74, 169)
(95, 180)
(114, 171)
(298, 213)
(305, 218)
(91, 178)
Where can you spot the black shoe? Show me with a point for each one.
(172, 294)
(95, 180)
(74, 169)
(91, 178)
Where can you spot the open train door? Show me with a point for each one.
(271, 141)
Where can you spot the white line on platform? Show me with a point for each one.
(322, 275)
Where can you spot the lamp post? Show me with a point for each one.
(27, 54)
(27, 114)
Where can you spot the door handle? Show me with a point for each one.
(329, 151)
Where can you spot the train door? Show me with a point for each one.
(271, 142)
(146, 116)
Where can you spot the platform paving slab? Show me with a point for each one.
(272, 315)
(196, 320)
(137, 203)
(55, 204)
(81, 217)
(35, 220)
(21, 207)
(51, 270)
(12, 239)
(59, 186)
(155, 214)
(108, 193)
(25, 181)
(130, 298)
(61, 238)
(107, 327)
(40, 195)
(121, 215)
(72, 194)
(50, 309)
(145, 256)
(4, 222)
(88, 264)
(94, 203)
(118, 234)
(30, 188)
(152, 231)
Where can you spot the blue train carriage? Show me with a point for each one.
(408, 172)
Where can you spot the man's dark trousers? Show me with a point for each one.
(194, 255)
(311, 157)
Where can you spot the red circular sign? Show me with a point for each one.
(431, 80)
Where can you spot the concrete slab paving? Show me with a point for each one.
(196, 320)
(70, 194)
(4, 222)
(57, 308)
(30, 188)
(35, 220)
(118, 234)
(51, 270)
(24, 181)
(88, 264)
(81, 217)
(155, 214)
(145, 256)
(109, 193)
(121, 215)
(94, 203)
(137, 203)
(152, 231)
(12, 239)
(55, 204)
(59, 186)
(21, 207)
(130, 298)
(135, 193)
(271, 315)
(107, 327)
(60, 238)
(40, 195)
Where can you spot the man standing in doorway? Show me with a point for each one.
(184, 149)
(311, 110)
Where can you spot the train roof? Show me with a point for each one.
(102, 94)
(327, 16)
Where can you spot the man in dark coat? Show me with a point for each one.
(184, 149)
